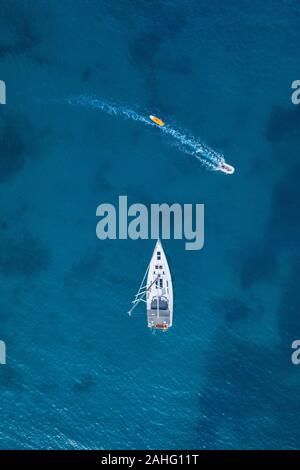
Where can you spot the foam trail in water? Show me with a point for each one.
(109, 108)
(188, 144)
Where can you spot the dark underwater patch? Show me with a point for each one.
(84, 385)
(13, 150)
(282, 234)
(10, 378)
(21, 29)
(157, 15)
(18, 143)
(260, 265)
(48, 387)
(26, 256)
(247, 382)
(179, 66)
(163, 23)
(281, 122)
(101, 183)
(289, 308)
(85, 269)
(4, 226)
(144, 48)
(232, 309)
(152, 85)
(86, 74)
(284, 227)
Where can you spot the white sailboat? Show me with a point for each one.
(156, 291)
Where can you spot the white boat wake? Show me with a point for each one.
(208, 157)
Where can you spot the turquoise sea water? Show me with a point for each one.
(80, 373)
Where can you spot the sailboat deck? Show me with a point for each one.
(164, 317)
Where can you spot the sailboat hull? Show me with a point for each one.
(160, 294)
